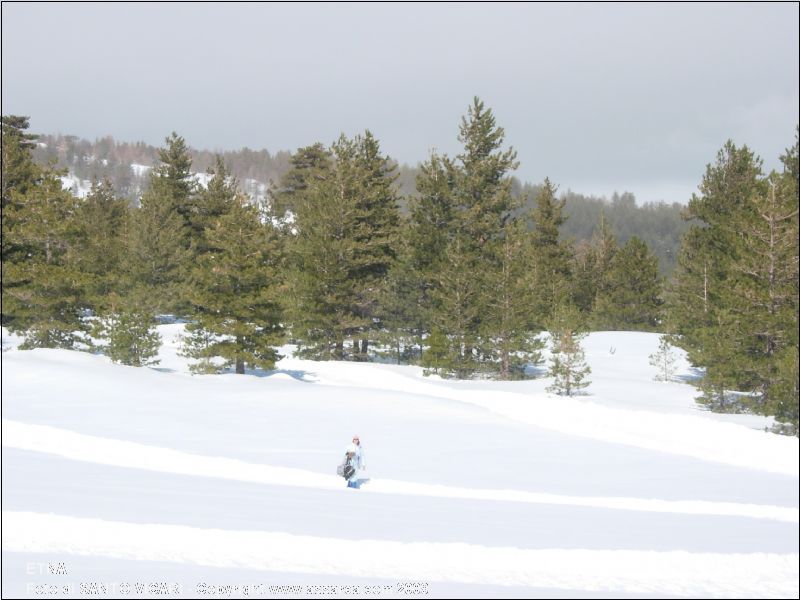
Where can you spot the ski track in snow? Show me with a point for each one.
(694, 436)
(676, 573)
(86, 448)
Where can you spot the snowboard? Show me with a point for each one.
(345, 471)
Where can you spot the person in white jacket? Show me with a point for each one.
(358, 460)
(361, 458)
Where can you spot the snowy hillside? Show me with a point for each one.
(255, 190)
(188, 484)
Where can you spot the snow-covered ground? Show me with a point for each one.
(154, 482)
(81, 188)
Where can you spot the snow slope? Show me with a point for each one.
(477, 488)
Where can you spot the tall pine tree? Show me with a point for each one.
(236, 290)
(164, 230)
(473, 196)
(551, 258)
(43, 288)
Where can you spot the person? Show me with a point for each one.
(351, 460)
(361, 458)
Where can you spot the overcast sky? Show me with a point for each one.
(597, 97)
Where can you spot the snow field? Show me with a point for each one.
(629, 490)
(669, 573)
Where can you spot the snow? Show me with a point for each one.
(79, 187)
(673, 573)
(202, 179)
(477, 488)
(140, 170)
(253, 188)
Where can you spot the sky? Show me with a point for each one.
(597, 97)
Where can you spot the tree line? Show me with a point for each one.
(463, 281)
(659, 224)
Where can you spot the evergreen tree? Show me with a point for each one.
(235, 292)
(782, 400)
(42, 286)
(791, 162)
(131, 338)
(402, 318)
(102, 220)
(19, 171)
(157, 257)
(551, 258)
(19, 174)
(343, 246)
(459, 308)
(567, 362)
(430, 229)
(604, 248)
(165, 229)
(703, 279)
(782, 393)
(211, 203)
(122, 305)
(473, 195)
(507, 322)
(322, 252)
(591, 263)
(436, 356)
(663, 360)
(583, 286)
(376, 229)
(307, 165)
(734, 299)
(631, 292)
(172, 182)
(764, 278)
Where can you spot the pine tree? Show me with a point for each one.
(763, 282)
(376, 230)
(157, 257)
(165, 228)
(473, 194)
(321, 251)
(583, 286)
(567, 362)
(343, 246)
(212, 202)
(235, 292)
(102, 221)
(507, 323)
(604, 248)
(121, 305)
(734, 300)
(19, 171)
(172, 182)
(782, 399)
(630, 296)
(551, 258)
(308, 164)
(663, 360)
(437, 355)
(431, 227)
(459, 307)
(19, 174)
(42, 286)
(402, 319)
(700, 297)
(131, 336)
